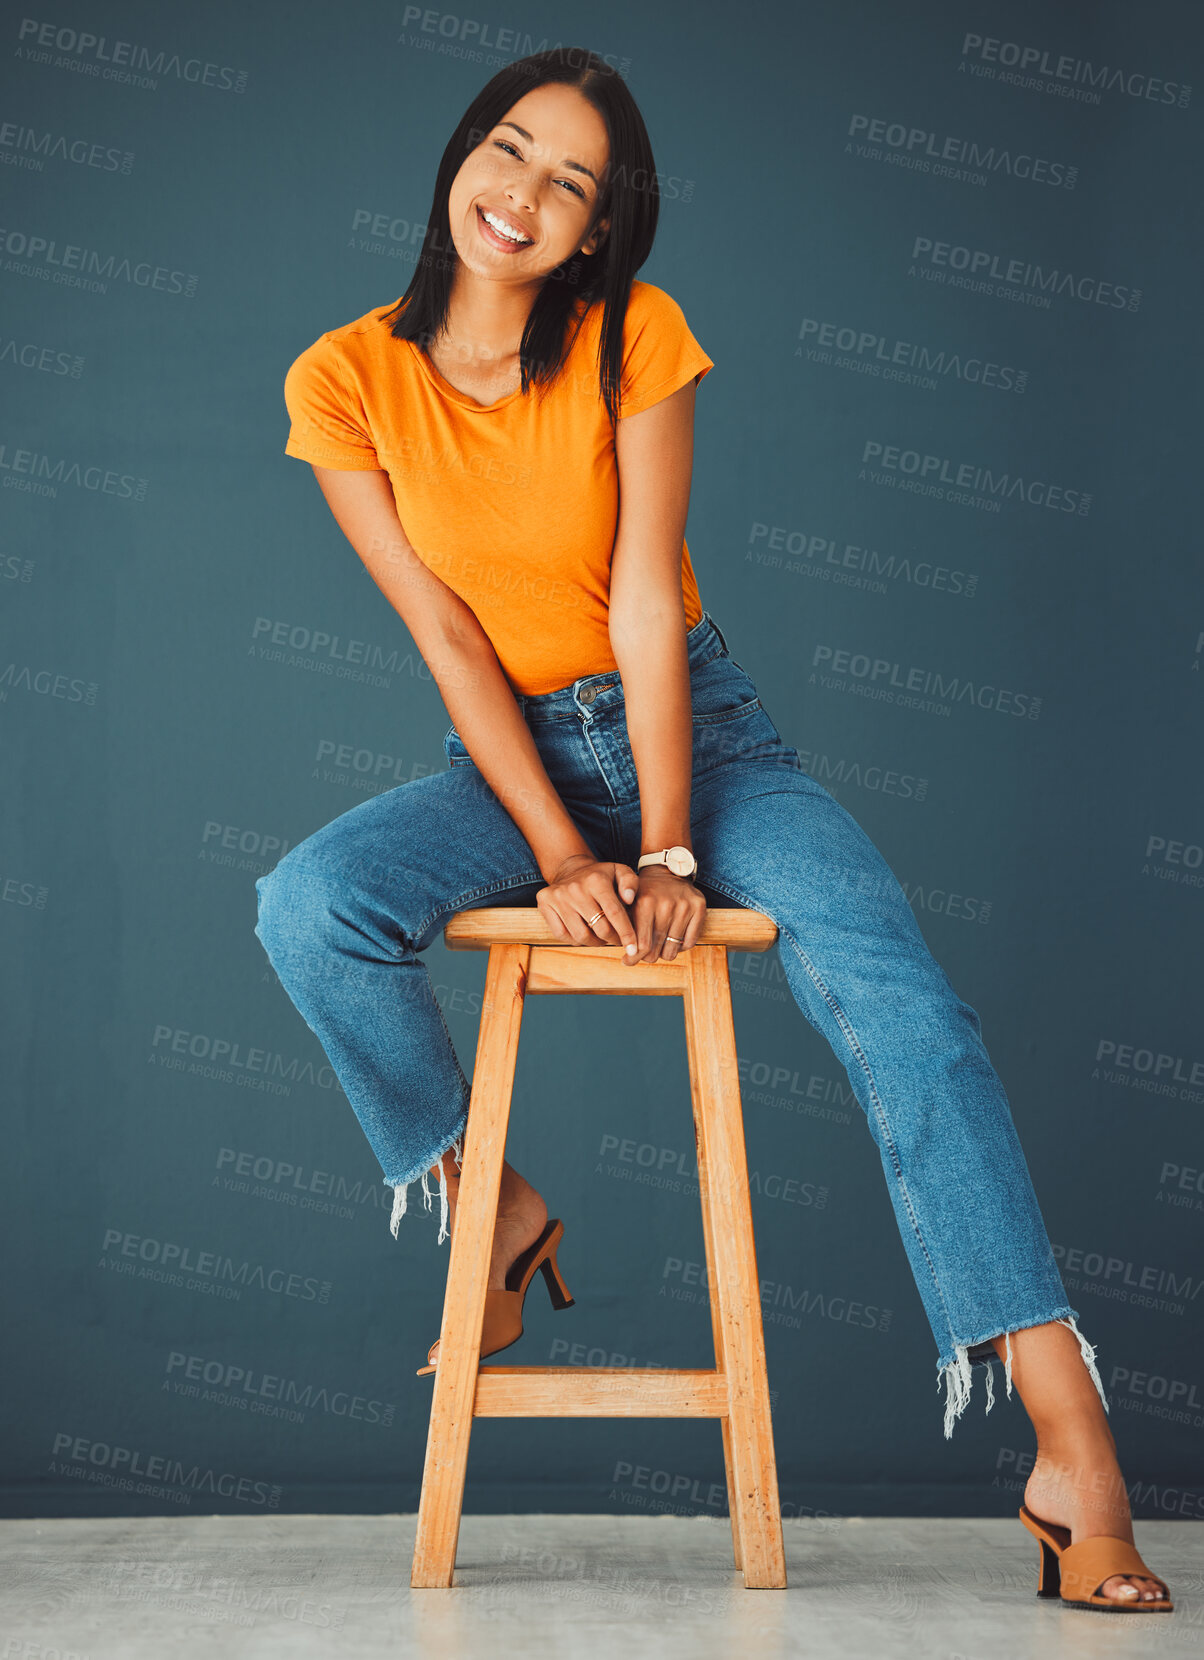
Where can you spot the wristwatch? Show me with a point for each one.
(677, 859)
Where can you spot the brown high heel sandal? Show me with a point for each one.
(503, 1321)
(1081, 1569)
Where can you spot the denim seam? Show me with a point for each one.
(449, 906)
(585, 726)
(851, 1038)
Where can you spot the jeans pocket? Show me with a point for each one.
(455, 749)
(720, 691)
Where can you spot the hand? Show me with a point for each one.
(579, 889)
(666, 904)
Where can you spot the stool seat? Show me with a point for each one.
(525, 925)
(525, 957)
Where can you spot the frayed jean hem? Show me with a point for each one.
(956, 1372)
(422, 1169)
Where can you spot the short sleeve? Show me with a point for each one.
(328, 427)
(659, 353)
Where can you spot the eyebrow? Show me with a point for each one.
(575, 165)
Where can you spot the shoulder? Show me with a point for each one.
(650, 304)
(360, 342)
(647, 307)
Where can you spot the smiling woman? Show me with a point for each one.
(509, 450)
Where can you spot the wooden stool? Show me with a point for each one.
(524, 957)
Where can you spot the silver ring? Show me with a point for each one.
(594, 918)
(675, 939)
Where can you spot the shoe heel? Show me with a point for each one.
(558, 1291)
(1049, 1578)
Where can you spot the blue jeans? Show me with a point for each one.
(346, 914)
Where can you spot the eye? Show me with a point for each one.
(503, 144)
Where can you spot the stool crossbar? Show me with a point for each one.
(525, 958)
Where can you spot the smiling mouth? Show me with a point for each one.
(497, 234)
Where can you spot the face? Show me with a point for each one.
(540, 173)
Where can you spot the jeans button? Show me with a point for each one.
(589, 694)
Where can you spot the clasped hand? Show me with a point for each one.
(661, 904)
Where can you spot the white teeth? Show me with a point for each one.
(502, 228)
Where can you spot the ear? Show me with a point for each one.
(596, 237)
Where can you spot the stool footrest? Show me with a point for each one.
(598, 1392)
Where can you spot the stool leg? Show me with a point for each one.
(733, 1505)
(719, 1123)
(455, 1378)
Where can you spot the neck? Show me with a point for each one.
(489, 316)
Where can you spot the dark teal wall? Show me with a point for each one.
(991, 480)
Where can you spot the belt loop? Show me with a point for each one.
(718, 631)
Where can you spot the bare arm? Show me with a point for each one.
(462, 662)
(655, 453)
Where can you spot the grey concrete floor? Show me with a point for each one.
(573, 1587)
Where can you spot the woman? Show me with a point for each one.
(612, 763)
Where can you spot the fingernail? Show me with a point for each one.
(631, 950)
(628, 893)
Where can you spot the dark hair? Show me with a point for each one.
(630, 196)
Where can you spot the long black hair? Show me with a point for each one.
(630, 196)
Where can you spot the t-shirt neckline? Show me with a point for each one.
(453, 393)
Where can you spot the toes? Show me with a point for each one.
(1132, 1588)
(1121, 1589)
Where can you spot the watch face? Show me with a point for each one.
(680, 861)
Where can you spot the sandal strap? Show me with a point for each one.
(501, 1323)
(1088, 1564)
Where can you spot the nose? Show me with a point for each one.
(521, 197)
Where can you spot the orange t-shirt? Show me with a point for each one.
(513, 504)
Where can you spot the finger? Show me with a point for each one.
(599, 902)
(696, 924)
(551, 916)
(645, 925)
(626, 881)
(616, 915)
(661, 930)
(576, 924)
(675, 932)
(565, 924)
